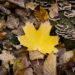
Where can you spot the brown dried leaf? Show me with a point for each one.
(22, 12)
(49, 66)
(2, 25)
(19, 3)
(21, 52)
(27, 71)
(4, 10)
(9, 5)
(6, 57)
(31, 5)
(40, 14)
(2, 36)
(35, 55)
(18, 31)
(3, 70)
(53, 10)
(66, 57)
(73, 58)
(12, 22)
(20, 63)
(37, 66)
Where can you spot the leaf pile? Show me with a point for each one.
(37, 37)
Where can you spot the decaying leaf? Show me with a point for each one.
(18, 31)
(17, 65)
(49, 66)
(53, 10)
(31, 5)
(68, 60)
(61, 44)
(67, 56)
(9, 5)
(3, 70)
(35, 55)
(4, 10)
(12, 22)
(27, 71)
(2, 25)
(6, 57)
(21, 52)
(40, 14)
(37, 66)
(20, 63)
(2, 36)
(39, 39)
(19, 3)
(22, 12)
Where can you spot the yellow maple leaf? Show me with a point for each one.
(39, 39)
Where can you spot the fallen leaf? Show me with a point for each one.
(53, 10)
(61, 45)
(35, 55)
(9, 5)
(2, 25)
(31, 5)
(39, 39)
(27, 71)
(49, 66)
(6, 57)
(19, 3)
(3, 70)
(20, 63)
(18, 31)
(17, 65)
(37, 66)
(21, 52)
(40, 14)
(22, 12)
(2, 36)
(12, 22)
(67, 56)
(73, 58)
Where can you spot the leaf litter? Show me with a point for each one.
(48, 45)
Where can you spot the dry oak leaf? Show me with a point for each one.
(39, 39)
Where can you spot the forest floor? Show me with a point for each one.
(37, 38)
